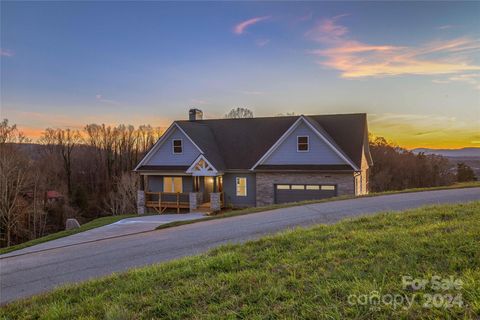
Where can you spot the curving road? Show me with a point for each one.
(32, 273)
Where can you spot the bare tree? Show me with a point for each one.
(122, 201)
(63, 141)
(13, 180)
(93, 167)
(238, 113)
(10, 134)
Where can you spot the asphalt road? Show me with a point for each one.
(33, 273)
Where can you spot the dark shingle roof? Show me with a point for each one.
(163, 168)
(240, 143)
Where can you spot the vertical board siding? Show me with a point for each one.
(165, 156)
(319, 152)
(230, 190)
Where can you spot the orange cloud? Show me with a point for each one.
(242, 26)
(356, 59)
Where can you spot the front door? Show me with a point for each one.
(208, 188)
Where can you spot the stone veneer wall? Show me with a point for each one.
(140, 202)
(265, 182)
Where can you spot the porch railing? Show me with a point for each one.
(161, 201)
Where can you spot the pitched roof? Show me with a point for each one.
(240, 143)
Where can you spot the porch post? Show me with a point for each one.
(141, 195)
(193, 196)
(215, 199)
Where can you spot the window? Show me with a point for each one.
(298, 187)
(328, 187)
(313, 187)
(283, 187)
(302, 144)
(241, 187)
(177, 146)
(172, 184)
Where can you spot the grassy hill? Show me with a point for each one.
(304, 273)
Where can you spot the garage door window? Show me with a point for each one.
(241, 187)
(285, 193)
(328, 187)
(298, 187)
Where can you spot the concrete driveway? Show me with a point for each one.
(120, 228)
(32, 273)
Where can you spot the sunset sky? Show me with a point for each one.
(414, 67)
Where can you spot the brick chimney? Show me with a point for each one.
(195, 114)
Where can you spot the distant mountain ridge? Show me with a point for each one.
(463, 152)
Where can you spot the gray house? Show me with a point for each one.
(208, 164)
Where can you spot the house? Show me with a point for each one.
(254, 162)
(49, 196)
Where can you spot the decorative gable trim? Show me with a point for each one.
(161, 141)
(202, 167)
(290, 130)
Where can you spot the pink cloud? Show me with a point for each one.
(355, 59)
(445, 27)
(242, 26)
(327, 30)
(100, 98)
(262, 42)
(6, 53)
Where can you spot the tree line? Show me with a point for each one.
(395, 168)
(69, 173)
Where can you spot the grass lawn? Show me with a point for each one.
(300, 274)
(87, 226)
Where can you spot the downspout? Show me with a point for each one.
(355, 175)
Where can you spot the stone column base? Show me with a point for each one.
(140, 202)
(215, 203)
(193, 200)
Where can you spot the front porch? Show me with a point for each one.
(159, 193)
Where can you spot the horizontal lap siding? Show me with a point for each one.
(165, 156)
(319, 153)
(230, 190)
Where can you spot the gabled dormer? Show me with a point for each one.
(174, 148)
(305, 143)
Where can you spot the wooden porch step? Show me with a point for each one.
(205, 205)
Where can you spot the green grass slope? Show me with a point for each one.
(299, 274)
(99, 222)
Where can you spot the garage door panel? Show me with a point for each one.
(295, 193)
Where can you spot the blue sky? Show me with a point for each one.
(413, 66)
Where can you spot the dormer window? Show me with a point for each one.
(177, 146)
(302, 144)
